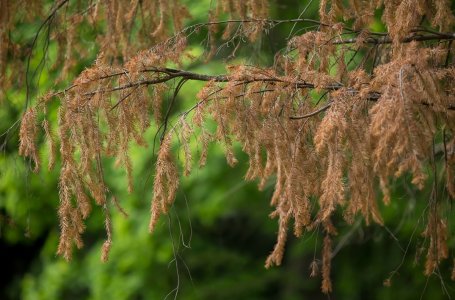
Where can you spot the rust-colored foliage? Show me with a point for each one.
(376, 119)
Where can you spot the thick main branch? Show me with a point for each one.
(167, 74)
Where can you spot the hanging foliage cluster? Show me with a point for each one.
(326, 128)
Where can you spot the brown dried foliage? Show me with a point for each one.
(375, 121)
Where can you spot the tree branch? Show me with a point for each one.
(188, 75)
(448, 36)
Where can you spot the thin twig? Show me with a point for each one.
(325, 107)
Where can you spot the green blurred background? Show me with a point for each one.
(214, 242)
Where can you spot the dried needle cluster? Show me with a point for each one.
(146, 22)
(375, 119)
